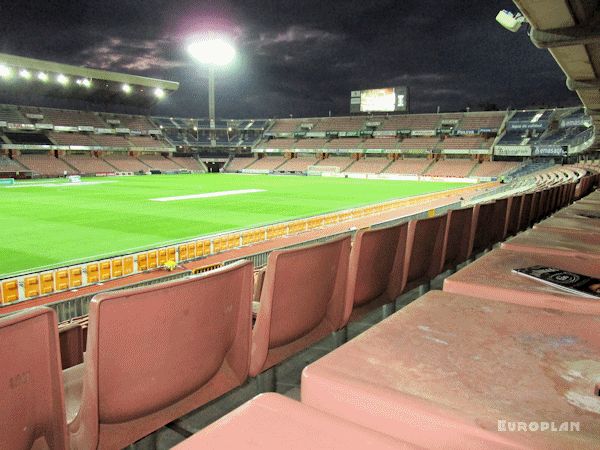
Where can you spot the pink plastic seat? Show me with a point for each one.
(303, 300)
(156, 353)
(500, 222)
(491, 277)
(459, 237)
(446, 370)
(425, 250)
(484, 226)
(525, 215)
(514, 215)
(32, 408)
(274, 422)
(555, 243)
(535, 205)
(375, 276)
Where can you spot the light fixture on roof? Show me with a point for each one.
(5, 71)
(42, 76)
(159, 93)
(85, 82)
(512, 22)
(62, 79)
(24, 73)
(126, 88)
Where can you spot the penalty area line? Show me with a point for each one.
(207, 195)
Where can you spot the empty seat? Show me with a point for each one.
(156, 353)
(273, 422)
(451, 371)
(484, 227)
(424, 251)
(302, 301)
(491, 277)
(32, 408)
(459, 238)
(525, 215)
(514, 215)
(375, 277)
(71, 338)
(500, 221)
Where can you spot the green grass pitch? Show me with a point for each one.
(45, 226)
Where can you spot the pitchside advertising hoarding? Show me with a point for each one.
(390, 99)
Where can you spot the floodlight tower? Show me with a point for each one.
(213, 53)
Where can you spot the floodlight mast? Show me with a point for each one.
(213, 53)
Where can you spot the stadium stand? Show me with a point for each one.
(159, 162)
(462, 143)
(289, 125)
(88, 164)
(381, 143)
(310, 143)
(267, 163)
(494, 168)
(140, 123)
(9, 165)
(298, 164)
(28, 138)
(346, 143)
(451, 168)
(111, 140)
(408, 122)
(280, 144)
(71, 118)
(72, 139)
(409, 166)
(11, 114)
(147, 141)
(479, 121)
(341, 162)
(45, 165)
(339, 124)
(369, 165)
(187, 162)
(125, 163)
(419, 143)
(239, 163)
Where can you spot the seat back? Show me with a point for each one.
(71, 345)
(302, 300)
(32, 408)
(376, 265)
(525, 211)
(535, 205)
(425, 250)
(500, 221)
(459, 237)
(514, 215)
(484, 228)
(155, 353)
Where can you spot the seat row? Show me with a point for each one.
(155, 353)
(469, 367)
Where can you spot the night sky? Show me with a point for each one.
(300, 57)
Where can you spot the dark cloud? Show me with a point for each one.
(298, 57)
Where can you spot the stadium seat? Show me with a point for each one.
(376, 274)
(32, 408)
(514, 215)
(459, 237)
(525, 211)
(71, 345)
(303, 300)
(500, 222)
(156, 353)
(491, 277)
(484, 227)
(566, 223)
(424, 251)
(273, 422)
(451, 371)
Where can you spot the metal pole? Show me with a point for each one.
(211, 101)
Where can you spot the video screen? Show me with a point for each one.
(389, 99)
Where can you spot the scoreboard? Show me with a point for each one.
(391, 99)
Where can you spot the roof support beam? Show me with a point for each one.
(580, 85)
(564, 37)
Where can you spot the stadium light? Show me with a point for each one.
(5, 72)
(159, 93)
(126, 88)
(85, 82)
(62, 79)
(24, 73)
(213, 52)
(42, 76)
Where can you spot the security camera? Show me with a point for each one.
(512, 22)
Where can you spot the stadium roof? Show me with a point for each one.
(569, 30)
(64, 80)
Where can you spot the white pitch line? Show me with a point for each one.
(207, 195)
(55, 185)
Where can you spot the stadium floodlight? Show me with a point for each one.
(42, 76)
(512, 22)
(126, 88)
(159, 93)
(213, 52)
(5, 71)
(85, 82)
(24, 73)
(62, 79)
